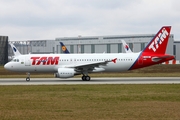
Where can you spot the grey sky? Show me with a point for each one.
(49, 19)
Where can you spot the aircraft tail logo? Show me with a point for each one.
(159, 43)
(14, 49)
(64, 49)
(127, 48)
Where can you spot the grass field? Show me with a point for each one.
(90, 102)
(98, 102)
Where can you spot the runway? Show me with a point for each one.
(73, 81)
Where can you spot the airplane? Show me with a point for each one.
(126, 47)
(64, 49)
(69, 65)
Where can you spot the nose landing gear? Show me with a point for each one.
(28, 77)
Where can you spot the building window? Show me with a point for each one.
(142, 46)
(120, 48)
(72, 48)
(131, 46)
(92, 48)
(174, 50)
(108, 48)
(82, 48)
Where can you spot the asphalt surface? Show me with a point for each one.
(70, 81)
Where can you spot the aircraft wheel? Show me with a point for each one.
(28, 79)
(83, 78)
(87, 78)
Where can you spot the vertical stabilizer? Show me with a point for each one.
(15, 50)
(126, 47)
(64, 49)
(159, 43)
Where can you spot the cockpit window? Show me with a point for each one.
(15, 60)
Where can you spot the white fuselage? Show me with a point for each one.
(39, 63)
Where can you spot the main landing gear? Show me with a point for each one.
(28, 77)
(86, 78)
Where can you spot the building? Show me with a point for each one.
(176, 50)
(3, 49)
(108, 44)
(92, 44)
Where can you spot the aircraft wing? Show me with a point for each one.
(89, 66)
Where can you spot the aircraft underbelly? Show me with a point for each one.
(38, 69)
(44, 69)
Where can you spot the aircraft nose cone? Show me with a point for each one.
(7, 66)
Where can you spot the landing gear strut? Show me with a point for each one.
(28, 77)
(86, 78)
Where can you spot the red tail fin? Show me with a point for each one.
(159, 43)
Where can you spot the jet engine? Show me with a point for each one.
(64, 73)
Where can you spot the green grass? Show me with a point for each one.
(99, 102)
(88, 102)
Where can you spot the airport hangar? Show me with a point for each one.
(90, 44)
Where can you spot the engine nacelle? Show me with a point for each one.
(64, 73)
(98, 69)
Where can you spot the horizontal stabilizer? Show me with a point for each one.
(156, 59)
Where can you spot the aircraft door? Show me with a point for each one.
(27, 61)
